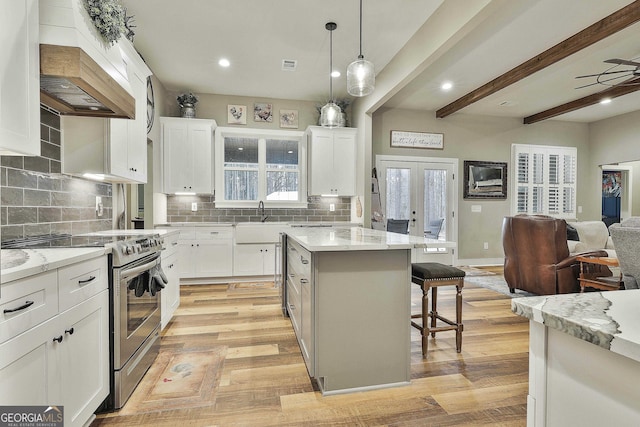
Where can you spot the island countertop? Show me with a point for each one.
(607, 319)
(316, 239)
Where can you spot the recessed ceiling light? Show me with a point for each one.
(446, 86)
(240, 148)
(605, 100)
(335, 74)
(290, 152)
(224, 62)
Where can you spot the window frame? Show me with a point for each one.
(542, 182)
(262, 135)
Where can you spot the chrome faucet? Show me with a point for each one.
(263, 217)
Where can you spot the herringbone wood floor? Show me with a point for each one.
(264, 381)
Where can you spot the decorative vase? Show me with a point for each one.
(188, 110)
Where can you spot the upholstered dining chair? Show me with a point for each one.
(626, 240)
(398, 226)
(433, 230)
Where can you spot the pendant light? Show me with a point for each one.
(361, 76)
(331, 113)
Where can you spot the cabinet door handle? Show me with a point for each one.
(84, 282)
(292, 307)
(304, 261)
(69, 331)
(58, 339)
(174, 243)
(214, 232)
(27, 304)
(305, 281)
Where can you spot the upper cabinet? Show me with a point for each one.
(20, 86)
(187, 149)
(113, 148)
(332, 161)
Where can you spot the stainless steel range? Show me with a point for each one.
(135, 283)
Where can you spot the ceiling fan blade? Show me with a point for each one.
(622, 62)
(605, 73)
(603, 82)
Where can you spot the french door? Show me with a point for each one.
(424, 192)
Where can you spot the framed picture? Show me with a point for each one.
(263, 112)
(485, 180)
(417, 139)
(237, 114)
(289, 119)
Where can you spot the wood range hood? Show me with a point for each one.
(72, 83)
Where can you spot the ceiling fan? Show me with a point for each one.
(612, 74)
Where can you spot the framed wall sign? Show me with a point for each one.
(417, 139)
(485, 180)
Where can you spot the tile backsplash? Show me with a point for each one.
(318, 209)
(37, 199)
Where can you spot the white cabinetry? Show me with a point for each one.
(63, 360)
(20, 92)
(205, 251)
(254, 259)
(332, 161)
(187, 155)
(115, 148)
(170, 295)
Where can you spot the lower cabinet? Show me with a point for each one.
(299, 300)
(205, 252)
(63, 361)
(254, 259)
(170, 295)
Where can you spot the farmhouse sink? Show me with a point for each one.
(259, 232)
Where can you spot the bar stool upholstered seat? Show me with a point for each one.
(431, 275)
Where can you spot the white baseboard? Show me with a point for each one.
(481, 261)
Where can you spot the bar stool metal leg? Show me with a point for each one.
(434, 309)
(424, 331)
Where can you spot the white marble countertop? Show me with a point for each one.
(608, 319)
(20, 263)
(316, 239)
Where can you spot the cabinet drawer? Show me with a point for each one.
(170, 245)
(294, 307)
(203, 233)
(299, 260)
(79, 282)
(26, 303)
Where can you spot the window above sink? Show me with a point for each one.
(254, 165)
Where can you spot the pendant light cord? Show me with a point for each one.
(331, 64)
(360, 56)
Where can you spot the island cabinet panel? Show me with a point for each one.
(351, 310)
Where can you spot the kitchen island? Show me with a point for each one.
(348, 295)
(584, 358)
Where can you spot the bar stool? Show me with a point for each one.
(431, 275)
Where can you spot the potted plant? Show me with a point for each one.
(187, 102)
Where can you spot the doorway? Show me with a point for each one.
(422, 191)
(616, 193)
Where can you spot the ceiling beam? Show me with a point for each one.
(629, 86)
(602, 29)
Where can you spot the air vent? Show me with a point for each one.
(289, 64)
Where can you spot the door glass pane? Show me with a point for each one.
(435, 203)
(398, 195)
(282, 169)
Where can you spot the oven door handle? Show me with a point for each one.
(134, 271)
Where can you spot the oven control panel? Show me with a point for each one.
(131, 249)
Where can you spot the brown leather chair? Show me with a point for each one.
(536, 255)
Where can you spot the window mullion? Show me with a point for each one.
(262, 169)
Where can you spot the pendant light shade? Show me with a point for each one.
(361, 75)
(330, 114)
